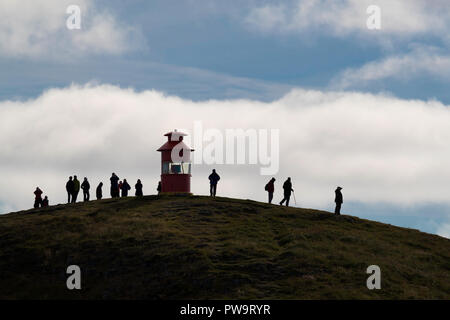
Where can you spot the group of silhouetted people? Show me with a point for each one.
(38, 201)
(270, 188)
(73, 187)
(118, 187)
(121, 188)
(287, 191)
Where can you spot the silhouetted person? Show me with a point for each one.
(213, 179)
(138, 186)
(339, 201)
(76, 189)
(99, 192)
(69, 189)
(119, 187)
(287, 189)
(125, 188)
(114, 185)
(45, 202)
(86, 187)
(37, 198)
(270, 188)
(159, 187)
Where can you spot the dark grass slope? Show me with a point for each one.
(193, 247)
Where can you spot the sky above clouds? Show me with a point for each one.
(367, 109)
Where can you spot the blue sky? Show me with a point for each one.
(255, 50)
(207, 36)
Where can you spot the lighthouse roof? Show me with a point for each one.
(179, 133)
(174, 138)
(169, 145)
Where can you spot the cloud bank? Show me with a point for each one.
(420, 62)
(379, 148)
(37, 29)
(341, 18)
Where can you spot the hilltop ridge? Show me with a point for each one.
(196, 247)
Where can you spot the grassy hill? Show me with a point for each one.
(193, 247)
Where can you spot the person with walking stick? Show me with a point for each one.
(287, 187)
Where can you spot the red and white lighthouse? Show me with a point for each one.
(175, 164)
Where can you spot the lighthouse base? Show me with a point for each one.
(175, 183)
(176, 194)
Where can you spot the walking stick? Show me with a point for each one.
(294, 197)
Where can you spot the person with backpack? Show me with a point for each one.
(287, 189)
(76, 189)
(125, 188)
(99, 192)
(270, 188)
(138, 186)
(213, 179)
(339, 199)
(69, 189)
(86, 186)
(37, 198)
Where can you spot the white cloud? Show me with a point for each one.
(420, 62)
(399, 18)
(381, 149)
(37, 28)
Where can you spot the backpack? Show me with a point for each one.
(266, 187)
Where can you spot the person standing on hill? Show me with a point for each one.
(85, 186)
(69, 189)
(114, 185)
(125, 188)
(287, 189)
(213, 179)
(159, 187)
(45, 202)
(270, 188)
(37, 198)
(138, 186)
(119, 187)
(76, 189)
(339, 199)
(99, 192)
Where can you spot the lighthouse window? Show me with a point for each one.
(186, 168)
(165, 167)
(176, 168)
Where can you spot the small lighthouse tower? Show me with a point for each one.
(175, 164)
